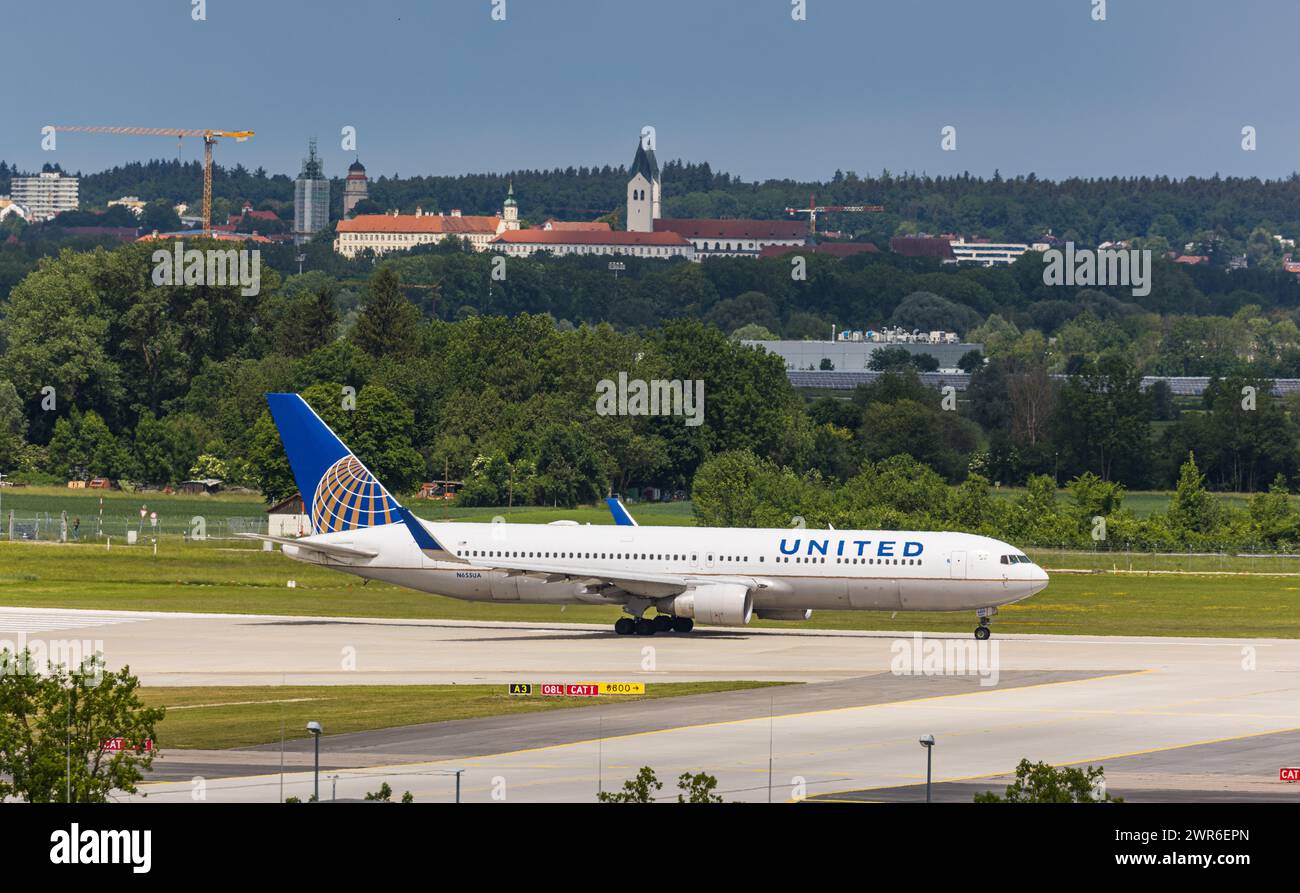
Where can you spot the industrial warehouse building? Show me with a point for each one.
(854, 356)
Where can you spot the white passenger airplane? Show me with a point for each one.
(721, 576)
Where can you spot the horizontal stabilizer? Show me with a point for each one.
(331, 549)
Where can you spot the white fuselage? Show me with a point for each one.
(786, 570)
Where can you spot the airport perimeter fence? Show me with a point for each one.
(55, 527)
(59, 527)
(1141, 558)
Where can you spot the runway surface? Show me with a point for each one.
(1192, 718)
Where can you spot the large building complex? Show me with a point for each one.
(648, 234)
(311, 198)
(45, 195)
(952, 249)
(987, 254)
(854, 354)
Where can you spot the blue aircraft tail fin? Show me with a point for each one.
(338, 491)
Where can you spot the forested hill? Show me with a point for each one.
(1022, 208)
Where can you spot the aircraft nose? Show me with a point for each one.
(1039, 578)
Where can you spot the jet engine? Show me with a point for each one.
(719, 604)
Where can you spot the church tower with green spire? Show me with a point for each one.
(510, 213)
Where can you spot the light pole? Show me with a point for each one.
(314, 728)
(927, 741)
(301, 258)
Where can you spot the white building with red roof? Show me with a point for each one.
(382, 233)
(661, 246)
(734, 238)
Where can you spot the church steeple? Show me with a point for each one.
(645, 162)
(510, 212)
(643, 189)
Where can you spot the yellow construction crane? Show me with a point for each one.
(209, 139)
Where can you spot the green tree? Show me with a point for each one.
(159, 216)
(970, 361)
(385, 794)
(59, 727)
(889, 359)
(388, 323)
(1101, 421)
(697, 788)
(1193, 508)
(13, 426)
(725, 490)
(84, 441)
(1092, 497)
(635, 790)
(571, 466)
(166, 449)
(312, 321)
(1043, 783)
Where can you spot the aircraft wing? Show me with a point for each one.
(331, 549)
(651, 583)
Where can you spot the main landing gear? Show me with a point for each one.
(648, 626)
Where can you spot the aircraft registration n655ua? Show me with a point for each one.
(720, 576)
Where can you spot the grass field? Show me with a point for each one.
(125, 507)
(227, 578)
(241, 716)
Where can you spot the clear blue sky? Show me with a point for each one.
(437, 87)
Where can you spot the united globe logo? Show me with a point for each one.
(348, 498)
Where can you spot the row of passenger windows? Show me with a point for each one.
(814, 560)
(642, 556)
(638, 556)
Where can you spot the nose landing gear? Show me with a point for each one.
(982, 632)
